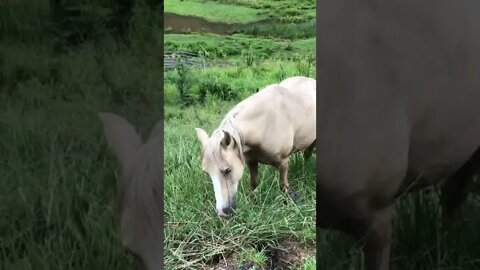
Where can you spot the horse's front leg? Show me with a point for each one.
(283, 168)
(253, 168)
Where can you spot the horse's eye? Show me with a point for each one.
(227, 171)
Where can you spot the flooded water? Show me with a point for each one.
(177, 24)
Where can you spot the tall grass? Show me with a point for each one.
(280, 30)
(231, 47)
(58, 178)
(194, 234)
(294, 11)
(421, 240)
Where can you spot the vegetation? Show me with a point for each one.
(214, 11)
(195, 236)
(243, 11)
(283, 10)
(421, 240)
(57, 176)
(240, 64)
(216, 47)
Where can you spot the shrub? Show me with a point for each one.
(183, 82)
(216, 87)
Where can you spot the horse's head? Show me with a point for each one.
(222, 160)
(141, 175)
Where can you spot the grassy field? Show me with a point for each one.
(57, 176)
(218, 12)
(267, 222)
(243, 11)
(233, 46)
(59, 179)
(195, 236)
(420, 239)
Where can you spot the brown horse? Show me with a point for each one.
(139, 188)
(399, 109)
(264, 128)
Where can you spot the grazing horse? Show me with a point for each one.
(139, 189)
(264, 128)
(399, 109)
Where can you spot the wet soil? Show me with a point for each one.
(288, 254)
(180, 24)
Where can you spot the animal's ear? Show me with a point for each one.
(121, 136)
(156, 133)
(202, 136)
(227, 141)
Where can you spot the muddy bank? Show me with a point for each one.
(180, 24)
(288, 254)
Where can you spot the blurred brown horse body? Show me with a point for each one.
(139, 188)
(399, 109)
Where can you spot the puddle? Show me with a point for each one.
(180, 24)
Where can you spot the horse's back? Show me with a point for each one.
(287, 116)
(295, 93)
(300, 82)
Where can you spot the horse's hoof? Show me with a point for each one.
(294, 195)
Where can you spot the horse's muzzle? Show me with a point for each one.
(227, 212)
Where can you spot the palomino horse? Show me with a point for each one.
(264, 128)
(399, 109)
(139, 188)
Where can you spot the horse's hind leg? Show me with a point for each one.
(308, 152)
(374, 232)
(379, 240)
(455, 190)
(253, 168)
(284, 186)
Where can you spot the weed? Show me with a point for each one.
(183, 81)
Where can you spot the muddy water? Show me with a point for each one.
(178, 24)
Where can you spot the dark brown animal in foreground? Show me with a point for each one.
(399, 109)
(139, 189)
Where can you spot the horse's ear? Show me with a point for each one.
(227, 141)
(156, 133)
(202, 136)
(121, 136)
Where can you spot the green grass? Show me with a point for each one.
(420, 240)
(292, 31)
(309, 264)
(215, 12)
(57, 175)
(234, 82)
(251, 255)
(194, 233)
(195, 236)
(231, 47)
(245, 11)
(281, 10)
